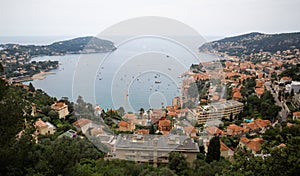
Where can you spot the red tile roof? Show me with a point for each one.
(142, 131)
(123, 124)
(223, 147)
(259, 91)
(41, 124)
(59, 104)
(257, 124)
(82, 122)
(233, 129)
(253, 144)
(296, 114)
(213, 130)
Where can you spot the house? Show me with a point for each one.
(190, 131)
(285, 80)
(125, 126)
(61, 108)
(156, 115)
(132, 118)
(164, 125)
(44, 128)
(214, 131)
(226, 152)
(83, 125)
(70, 134)
(154, 148)
(237, 95)
(296, 115)
(259, 83)
(259, 91)
(253, 145)
(141, 131)
(234, 130)
(257, 126)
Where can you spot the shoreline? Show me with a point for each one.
(41, 75)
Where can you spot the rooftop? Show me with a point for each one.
(219, 106)
(41, 124)
(159, 142)
(213, 130)
(82, 122)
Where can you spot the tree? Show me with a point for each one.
(231, 117)
(3, 84)
(31, 88)
(152, 129)
(141, 112)
(177, 162)
(53, 114)
(1, 68)
(213, 153)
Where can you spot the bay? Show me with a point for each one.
(142, 73)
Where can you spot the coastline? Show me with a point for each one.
(41, 75)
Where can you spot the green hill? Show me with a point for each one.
(73, 46)
(83, 44)
(253, 43)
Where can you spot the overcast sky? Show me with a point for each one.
(90, 17)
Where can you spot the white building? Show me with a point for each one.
(295, 85)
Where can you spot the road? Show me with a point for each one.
(284, 111)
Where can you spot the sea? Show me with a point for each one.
(141, 73)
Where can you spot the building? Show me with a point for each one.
(257, 126)
(295, 86)
(125, 126)
(44, 128)
(61, 108)
(141, 131)
(176, 102)
(164, 125)
(296, 115)
(154, 148)
(214, 131)
(259, 91)
(219, 110)
(234, 130)
(285, 80)
(70, 134)
(296, 100)
(226, 152)
(83, 125)
(253, 145)
(190, 131)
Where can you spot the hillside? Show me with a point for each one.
(253, 43)
(83, 44)
(73, 46)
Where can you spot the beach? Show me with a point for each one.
(41, 75)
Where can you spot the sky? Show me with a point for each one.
(90, 17)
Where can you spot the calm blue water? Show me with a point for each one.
(140, 73)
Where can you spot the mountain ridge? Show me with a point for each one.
(253, 42)
(87, 44)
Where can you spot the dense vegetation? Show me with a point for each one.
(293, 71)
(254, 106)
